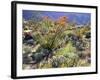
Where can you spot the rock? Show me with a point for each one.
(28, 40)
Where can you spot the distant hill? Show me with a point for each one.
(78, 18)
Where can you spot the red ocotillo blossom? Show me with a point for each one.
(62, 21)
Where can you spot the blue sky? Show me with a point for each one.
(79, 18)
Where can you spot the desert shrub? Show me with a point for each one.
(79, 46)
(70, 57)
(55, 62)
(26, 52)
(45, 64)
(62, 61)
(67, 49)
(72, 60)
(26, 49)
(46, 23)
(38, 56)
(39, 38)
(88, 35)
(83, 62)
(82, 31)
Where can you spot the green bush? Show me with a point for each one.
(68, 52)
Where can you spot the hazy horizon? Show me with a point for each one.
(79, 18)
